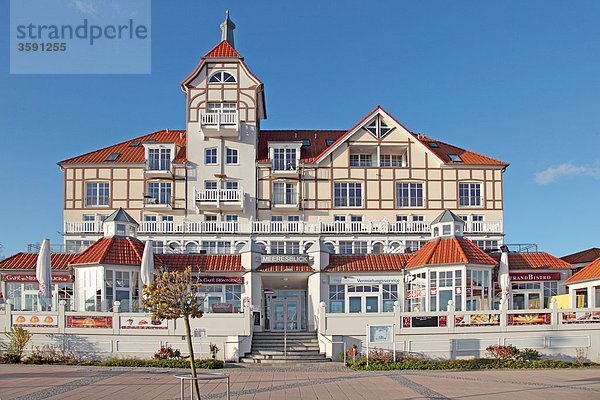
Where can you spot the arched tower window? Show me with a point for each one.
(221, 77)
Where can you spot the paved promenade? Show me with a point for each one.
(327, 382)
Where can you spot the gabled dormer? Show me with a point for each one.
(447, 224)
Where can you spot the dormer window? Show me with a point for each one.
(221, 107)
(221, 77)
(378, 127)
(159, 159)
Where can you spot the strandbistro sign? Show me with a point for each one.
(534, 276)
(285, 258)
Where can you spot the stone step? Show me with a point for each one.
(289, 348)
(278, 360)
(280, 352)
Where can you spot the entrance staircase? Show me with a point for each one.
(267, 348)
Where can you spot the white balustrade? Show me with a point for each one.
(235, 196)
(219, 118)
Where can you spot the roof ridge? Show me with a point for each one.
(461, 250)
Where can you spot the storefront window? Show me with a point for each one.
(390, 296)
(417, 290)
(25, 296)
(215, 298)
(527, 295)
(550, 289)
(478, 291)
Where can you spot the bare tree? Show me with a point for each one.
(174, 295)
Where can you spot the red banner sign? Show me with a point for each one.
(32, 278)
(534, 276)
(223, 280)
(89, 322)
(416, 293)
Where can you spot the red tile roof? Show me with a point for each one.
(203, 262)
(453, 250)
(285, 268)
(367, 262)
(135, 154)
(533, 261)
(114, 250)
(589, 272)
(585, 256)
(58, 261)
(318, 141)
(468, 157)
(223, 50)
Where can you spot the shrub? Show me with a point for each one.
(412, 363)
(49, 354)
(498, 352)
(9, 358)
(166, 353)
(529, 355)
(18, 339)
(168, 363)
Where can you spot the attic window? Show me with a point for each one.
(433, 145)
(455, 157)
(305, 143)
(329, 142)
(134, 144)
(222, 77)
(378, 127)
(113, 156)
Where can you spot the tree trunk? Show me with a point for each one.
(188, 335)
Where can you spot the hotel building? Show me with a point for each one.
(363, 220)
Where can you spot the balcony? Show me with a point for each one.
(220, 198)
(220, 124)
(285, 227)
(158, 170)
(158, 203)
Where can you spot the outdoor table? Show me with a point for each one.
(202, 376)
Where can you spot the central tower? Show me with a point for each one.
(224, 106)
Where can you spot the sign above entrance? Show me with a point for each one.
(32, 278)
(364, 280)
(285, 258)
(534, 276)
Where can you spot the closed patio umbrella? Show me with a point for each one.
(147, 270)
(44, 275)
(504, 276)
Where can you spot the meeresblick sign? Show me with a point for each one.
(285, 258)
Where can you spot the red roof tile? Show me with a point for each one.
(223, 49)
(203, 262)
(135, 154)
(453, 250)
(285, 268)
(367, 262)
(585, 256)
(589, 272)
(468, 157)
(59, 261)
(533, 261)
(115, 250)
(318, 141)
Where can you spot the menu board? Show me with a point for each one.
(143, 323)
(35, 320)
(88, 322)
(424, 322)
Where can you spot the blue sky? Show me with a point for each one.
(513, 80)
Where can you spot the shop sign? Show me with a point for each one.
(381, 333)
(285, 258)
(224, 280)
(534, 276)
(142, 323)
(424, 322)
(32, 278)
(36, 320)
(222, 308)
(364, 280)
(88, 322)
(415, 293)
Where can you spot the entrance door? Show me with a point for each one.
(284, 315)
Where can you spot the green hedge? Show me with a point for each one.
(471, 364)
(171, 363)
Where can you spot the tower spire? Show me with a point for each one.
(227, 28)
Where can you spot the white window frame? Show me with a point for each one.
(97, 202)
(411, 204)
(216, 155)
(235, 153)
(391, 163)
(164, 163)
(160, 185)
(470, 203)
(286, 185)
(220, 75)
(288, 148)
(361, 160)
(347, 194)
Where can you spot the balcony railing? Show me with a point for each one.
(219, 197)
(219, 119)
(277, 227)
